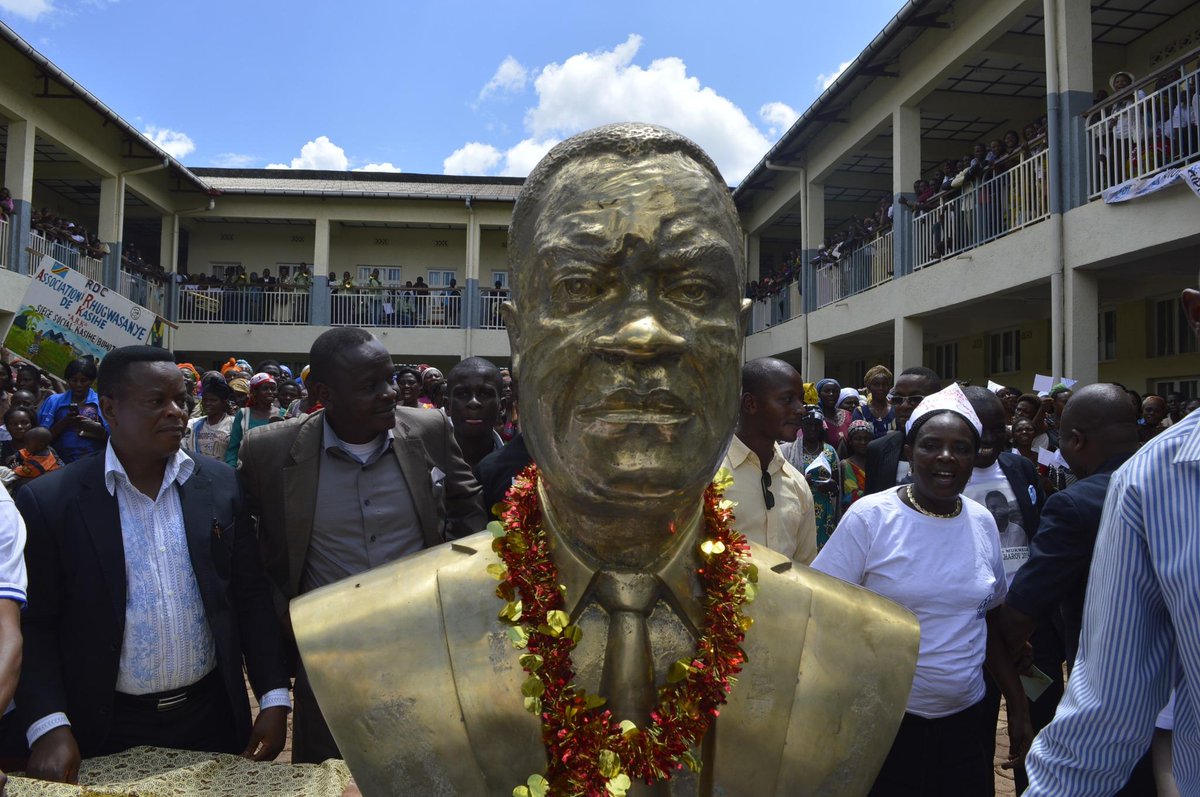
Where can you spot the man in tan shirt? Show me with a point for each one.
(774, 503)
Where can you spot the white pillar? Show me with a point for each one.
(753, 258)
(910, 343)
(471, 264)
(816, 363)
(18, 160)
(1081, 316)
(906, 168)
(320, 264)
(168, 255)
(111, 225)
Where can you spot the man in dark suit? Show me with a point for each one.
(886, 466)
(357, 485)
(146, 592)
(1098, 432)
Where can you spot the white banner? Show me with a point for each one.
(65, 315)
(1132, 189)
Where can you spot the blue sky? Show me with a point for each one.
(440, 87)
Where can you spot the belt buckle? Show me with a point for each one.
(172, 701)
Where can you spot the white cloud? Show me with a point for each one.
(510, 76)
(386, 166)
(29, 9)
(590, 89)
(472, 158)
(520, 159)
(321, 153)
(778, 116)
(824, 81)
(172, 142)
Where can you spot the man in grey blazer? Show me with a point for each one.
(356, 485)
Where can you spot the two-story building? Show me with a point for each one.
(1018, 268)
(1024, 264)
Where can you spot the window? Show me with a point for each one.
(440, 279)
(217, 268)
(1188, 388)
(1004, 352)
(388, 275)
(499, 276)
(945, 360)
(1171, 332)
(1108, 335)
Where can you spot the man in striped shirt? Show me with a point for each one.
(1141, 627)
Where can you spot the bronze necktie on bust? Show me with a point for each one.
(627, 680)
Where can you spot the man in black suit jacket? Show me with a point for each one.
(146, 592)
(885, 454)
(1098, 432)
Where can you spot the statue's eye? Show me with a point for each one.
(694, 292)
(577, 289)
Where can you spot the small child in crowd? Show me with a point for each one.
(37, 458)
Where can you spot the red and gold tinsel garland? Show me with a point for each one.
(589, 753)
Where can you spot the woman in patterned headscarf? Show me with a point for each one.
(260, 410)
(837, 421)
(854, 464)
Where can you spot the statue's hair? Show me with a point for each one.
(627, 140)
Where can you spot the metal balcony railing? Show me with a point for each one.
(389, 307)
(1153, 126)
(4, 233)
(243, 305)
(148, 293)
(489, 308)
(994, 207)
(90, 267)
(867, 265)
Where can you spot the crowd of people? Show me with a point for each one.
(859, 482)
(1005, 485)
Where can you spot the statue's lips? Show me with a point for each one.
(625, 407)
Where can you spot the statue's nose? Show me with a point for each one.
(641, 338)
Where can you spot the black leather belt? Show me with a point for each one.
(171, 699)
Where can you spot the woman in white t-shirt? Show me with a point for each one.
(937, 553)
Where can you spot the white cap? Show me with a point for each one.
(950, 398)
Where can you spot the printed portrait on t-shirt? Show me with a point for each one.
(991, 488)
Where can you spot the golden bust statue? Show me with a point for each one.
(626, 324)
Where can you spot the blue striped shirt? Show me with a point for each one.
(1141, 630)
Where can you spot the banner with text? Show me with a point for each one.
(65, 315)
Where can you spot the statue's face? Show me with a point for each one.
(627, 334)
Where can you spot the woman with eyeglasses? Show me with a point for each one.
(877, 411)
(930, 549)
(818, 461)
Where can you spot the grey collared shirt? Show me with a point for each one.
(365, 515)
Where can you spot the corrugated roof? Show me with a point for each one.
(294, 182)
